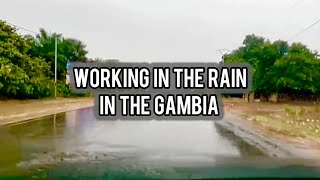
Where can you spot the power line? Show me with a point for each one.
(19, 27)
(296, 35)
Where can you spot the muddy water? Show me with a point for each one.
(75, 143)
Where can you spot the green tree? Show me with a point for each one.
(298, 72)
(22, 75)
(264, 77)
(69, 49)
(279, 67)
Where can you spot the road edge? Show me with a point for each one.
(271, 145)
(59, 106)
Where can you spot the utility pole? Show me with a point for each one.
(223, 52)
(55, 67)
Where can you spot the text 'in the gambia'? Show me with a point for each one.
(164, 91)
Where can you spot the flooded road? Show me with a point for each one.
(77, 142)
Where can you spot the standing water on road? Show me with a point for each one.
(75, 140)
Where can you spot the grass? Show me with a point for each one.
(298, 121)
(293, 119)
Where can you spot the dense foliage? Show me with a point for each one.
(68, 50)
(27, 63)
(279, 67)
(22, 75)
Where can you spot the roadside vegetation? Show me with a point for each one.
(295, 119)
(289, 70)
(27, 63)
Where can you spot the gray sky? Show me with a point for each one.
(166, 30)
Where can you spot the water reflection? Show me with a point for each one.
(243, 147)
(76, 135)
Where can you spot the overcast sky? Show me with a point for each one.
(166, 30)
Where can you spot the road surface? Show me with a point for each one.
(75, 143)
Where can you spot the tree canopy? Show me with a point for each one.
(69, 49)
(27, 63)
(22, 74)
(279, 67)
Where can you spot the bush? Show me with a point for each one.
(63, 90)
